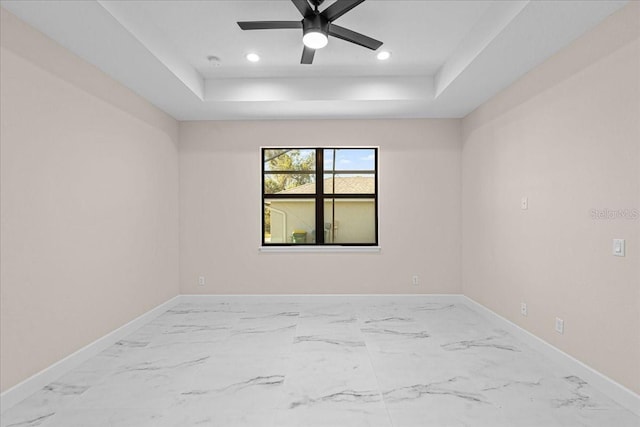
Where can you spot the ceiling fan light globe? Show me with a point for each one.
(315, 40)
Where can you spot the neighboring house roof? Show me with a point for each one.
(344, 185)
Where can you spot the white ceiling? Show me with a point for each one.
(448, 57)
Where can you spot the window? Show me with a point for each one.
(320, 196)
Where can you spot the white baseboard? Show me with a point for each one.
(37, 381)
(443, 298)
(617, 392)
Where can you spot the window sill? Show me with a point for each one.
(319, 249)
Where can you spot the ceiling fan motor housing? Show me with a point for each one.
(316, 23)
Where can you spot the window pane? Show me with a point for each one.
(350, 221)
(349, 184)
(298, 183)
(355, 159)
(289, 221)
(289, 160)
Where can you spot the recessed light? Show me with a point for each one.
(253, 57)
(383, 55)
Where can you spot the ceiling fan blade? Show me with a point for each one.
(303, 6)
(269, 25)
(307, 55)
(339, 8)
(353, 37)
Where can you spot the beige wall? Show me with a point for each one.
(566, 136)
(89, 203)
(220, 208)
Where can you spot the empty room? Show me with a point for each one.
(322, 213)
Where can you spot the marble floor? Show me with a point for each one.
(319, 362)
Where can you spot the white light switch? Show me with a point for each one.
(524, 203)
(618, 247)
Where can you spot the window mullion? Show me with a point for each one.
(319, 196)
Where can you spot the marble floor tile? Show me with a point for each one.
(323, 417)
(326, 361)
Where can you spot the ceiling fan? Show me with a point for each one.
(317, 26)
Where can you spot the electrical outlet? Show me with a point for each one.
(559, 325)
(414, 280)
(201, 281)
(524, 203)
(523, 308)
